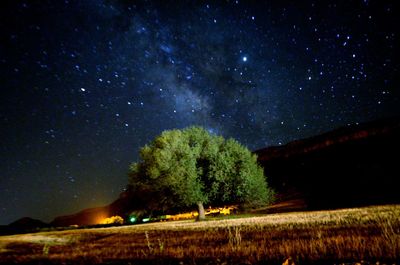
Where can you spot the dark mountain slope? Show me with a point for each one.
(23, 225)
(27, 223)
(351, 166)
(122, 206)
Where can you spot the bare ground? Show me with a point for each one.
(349, 236)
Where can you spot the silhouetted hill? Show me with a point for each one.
(27, 223)
(23, 225)
(350, 166)
(93, 216)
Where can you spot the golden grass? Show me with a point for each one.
(326, 237)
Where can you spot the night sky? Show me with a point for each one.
(85, 84)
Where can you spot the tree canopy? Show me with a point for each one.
(183, 168)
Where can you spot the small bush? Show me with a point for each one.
(113, 220)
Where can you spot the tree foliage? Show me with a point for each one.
(182, 168)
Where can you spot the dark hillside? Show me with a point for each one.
(351, 166)
(22, 225)
(93, 216)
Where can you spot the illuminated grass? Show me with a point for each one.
(349, 235)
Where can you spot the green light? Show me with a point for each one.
(132, 219)
(145, 220)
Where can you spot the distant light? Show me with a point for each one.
(82, 89)
(244, 59)
(211, 131)
(145, 220)
(132, 219)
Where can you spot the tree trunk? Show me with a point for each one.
(202, 214)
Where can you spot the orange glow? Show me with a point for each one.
(99, 217)
(113, 220)
(227, 210)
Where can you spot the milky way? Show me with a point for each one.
(85, 84)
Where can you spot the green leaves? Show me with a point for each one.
(194, 166)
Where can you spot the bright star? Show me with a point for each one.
(244, 59)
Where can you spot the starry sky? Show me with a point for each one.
(85, 84)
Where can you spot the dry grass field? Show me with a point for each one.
(358, 235)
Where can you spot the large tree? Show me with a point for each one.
(183, 168)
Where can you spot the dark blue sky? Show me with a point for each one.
(85, 84)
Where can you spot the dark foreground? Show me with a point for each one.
(359, 235)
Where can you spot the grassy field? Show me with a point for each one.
(365, 235)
